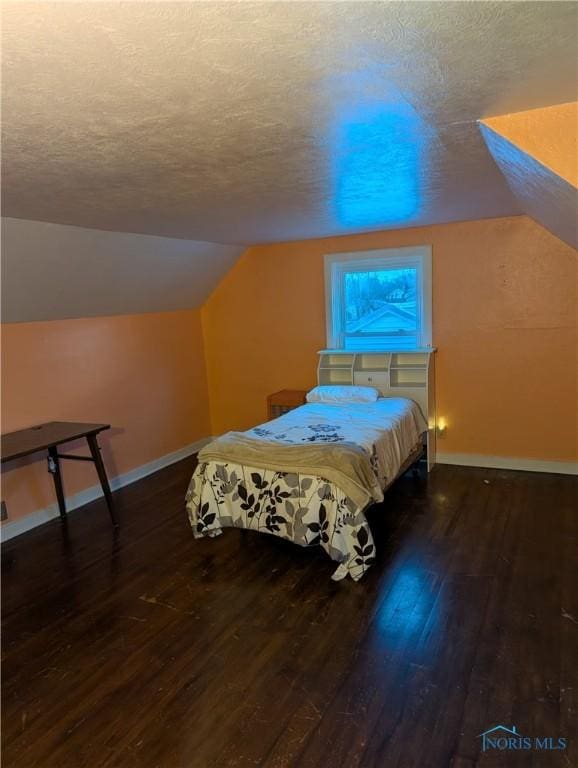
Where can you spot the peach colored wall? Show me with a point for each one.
(144, 374)
(504, 321)
(549, 134)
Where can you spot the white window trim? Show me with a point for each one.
(336, 264)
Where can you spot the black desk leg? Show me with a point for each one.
(54, 469)
(97, 458)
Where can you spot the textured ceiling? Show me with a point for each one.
(248, 122)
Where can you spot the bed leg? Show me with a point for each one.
(415, 471)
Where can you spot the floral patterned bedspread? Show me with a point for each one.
(305, 509)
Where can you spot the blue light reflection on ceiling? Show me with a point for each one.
(378, 157)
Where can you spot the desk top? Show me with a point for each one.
(27, 441)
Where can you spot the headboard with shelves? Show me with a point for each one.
(395, 374)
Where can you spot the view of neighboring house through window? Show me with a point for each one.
(379, 300)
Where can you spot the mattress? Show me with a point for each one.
(387, 430)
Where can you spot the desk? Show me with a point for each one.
(47, 437)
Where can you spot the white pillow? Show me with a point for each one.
(345, 393)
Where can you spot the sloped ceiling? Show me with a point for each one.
(549, 135)
(50, 271)
(251, 122)
(537, 153)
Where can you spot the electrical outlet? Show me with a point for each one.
(3, 511)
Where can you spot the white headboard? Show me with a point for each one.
(395, 374)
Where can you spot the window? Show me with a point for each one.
(379, 300)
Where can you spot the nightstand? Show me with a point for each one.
(281, 402)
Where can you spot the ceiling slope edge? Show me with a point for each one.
(56, 272)
(542, 194)
(548, 134)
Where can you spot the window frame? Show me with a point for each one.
(417, 257)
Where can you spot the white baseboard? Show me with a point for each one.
(15, 528)
(11, 529)
(506, 462)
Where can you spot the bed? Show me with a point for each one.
(309, 476)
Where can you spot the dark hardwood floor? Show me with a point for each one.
(153, 649)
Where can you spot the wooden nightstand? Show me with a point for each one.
(281, 402)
